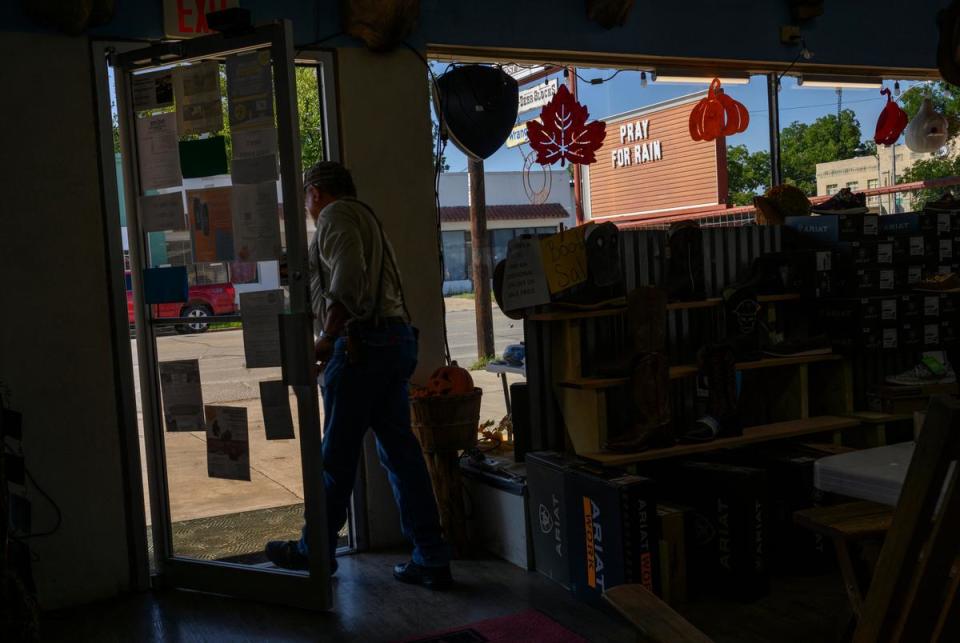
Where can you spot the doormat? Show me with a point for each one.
(530, 626)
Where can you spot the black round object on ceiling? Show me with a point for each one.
(479, 107)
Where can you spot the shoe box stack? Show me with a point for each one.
(592, 528)
(867, 299)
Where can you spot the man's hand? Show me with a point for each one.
(323, 350)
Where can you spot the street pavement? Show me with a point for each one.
(275, 470)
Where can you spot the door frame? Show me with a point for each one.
(310, 590)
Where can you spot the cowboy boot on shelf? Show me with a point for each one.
(717, 392)
(685, 271)
(647, 320)
(649, 422)
(646, 331)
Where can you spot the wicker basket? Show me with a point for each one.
(446, 423)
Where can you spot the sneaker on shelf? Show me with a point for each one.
(946, 282)
(930, 370)
(843, 202)
(801, 347)
(946, 202)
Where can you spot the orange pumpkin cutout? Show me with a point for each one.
(450, 380)
(717, 115)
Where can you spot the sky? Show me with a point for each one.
(624, 92)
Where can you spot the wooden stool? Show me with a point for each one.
(848, 526)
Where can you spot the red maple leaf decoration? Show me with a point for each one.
(564, 134)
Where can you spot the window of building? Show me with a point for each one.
(831, 188)
(853, 185)
(872, 183)
(456, 264)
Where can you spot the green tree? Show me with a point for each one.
(944, 96)
(804, 145)
(311, 116)
(933, 168)
(747, 174)
(444, 166)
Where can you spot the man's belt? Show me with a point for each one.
(383, 321)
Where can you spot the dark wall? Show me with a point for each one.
(882, 33)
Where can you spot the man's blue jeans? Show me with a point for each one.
(373, 392)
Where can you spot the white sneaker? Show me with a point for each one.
(930, 370)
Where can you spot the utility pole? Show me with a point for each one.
(480, 250)
(571, 74)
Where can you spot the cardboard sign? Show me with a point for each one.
(524, 284)
(564, 258)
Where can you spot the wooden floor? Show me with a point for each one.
(372, 606)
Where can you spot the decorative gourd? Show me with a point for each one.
(891, 123)
(450, 380)
(717, 115)
(927, 132)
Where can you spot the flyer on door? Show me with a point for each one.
(228, 446)
(211, 224)
(158, 152)
(182, 395)
(260, 312)
(277, 418)
(256, 222)
(197, 92)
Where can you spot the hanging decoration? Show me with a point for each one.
(381, 24)
(891, 123)
(564, 135)
(927, 132)
(536, 195)
(717, 115)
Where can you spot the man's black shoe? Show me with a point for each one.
(431, 577)
(286, 554)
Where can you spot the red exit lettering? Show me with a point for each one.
(200, 9)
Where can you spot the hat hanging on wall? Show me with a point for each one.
(927, 132)
(380, 24)
(479, 107)
(891, 123)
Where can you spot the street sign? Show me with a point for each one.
(518, 136)
(537, 96)
(521, 72)
(188, 18)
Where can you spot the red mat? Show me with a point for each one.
(529, 626)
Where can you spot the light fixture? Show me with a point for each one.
(643, 79)
(833, 82)
(896, 88)
(699, 77)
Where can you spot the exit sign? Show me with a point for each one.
(188, 18)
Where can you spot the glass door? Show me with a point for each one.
(218, 281)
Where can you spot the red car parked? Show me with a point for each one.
(204, 301)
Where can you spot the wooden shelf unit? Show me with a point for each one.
(569, 315)
(751, 435)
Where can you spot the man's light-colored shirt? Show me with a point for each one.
(346, 254)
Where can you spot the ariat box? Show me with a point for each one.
(910, 308)
(897, 224)
(831, 229)
(547, 507)
(936, 223)
(614, 539)
(948, 333)
(728, 553)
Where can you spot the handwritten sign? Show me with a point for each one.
(524, 283)
(564, 259)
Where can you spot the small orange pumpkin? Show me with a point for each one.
(450, 380)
